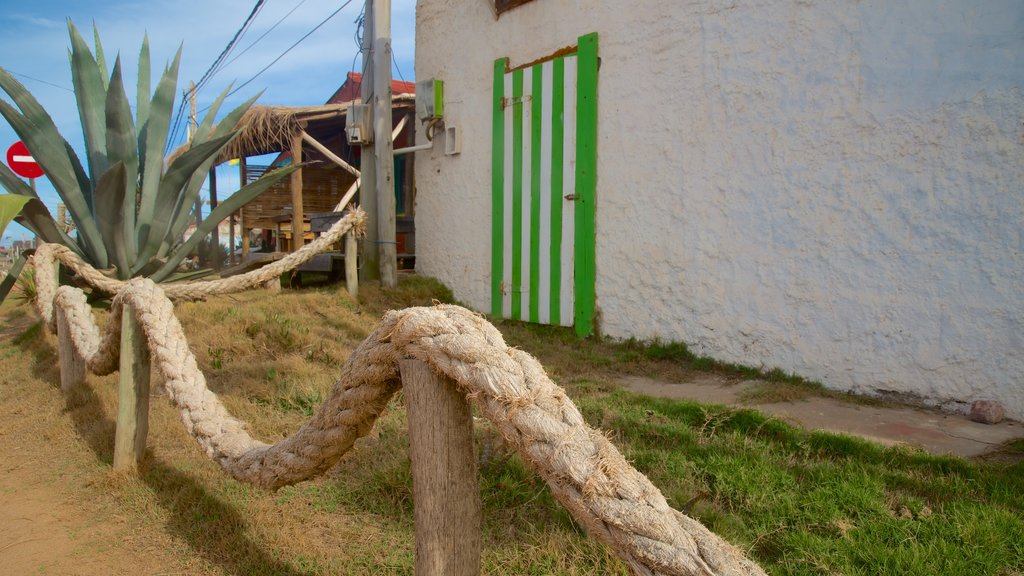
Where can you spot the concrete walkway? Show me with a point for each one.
(932, 430)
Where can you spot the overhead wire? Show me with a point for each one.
(177, 125)
(215, 67)
(290, 48)
(264, 35)
(34, 79)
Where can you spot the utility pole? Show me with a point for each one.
(370, 269)
(215, 233)
(193, 125)
(383, 144)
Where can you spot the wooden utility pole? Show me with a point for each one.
(383, 145)
(193, 125)
(370, 269)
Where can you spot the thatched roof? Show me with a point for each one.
(267, 129)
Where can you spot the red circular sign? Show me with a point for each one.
(21, 161)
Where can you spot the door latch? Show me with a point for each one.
(572, 197)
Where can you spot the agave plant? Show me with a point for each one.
(129, 209)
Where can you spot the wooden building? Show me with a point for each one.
(315, 135)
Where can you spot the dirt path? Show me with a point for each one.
(43, 531)
(55, 515)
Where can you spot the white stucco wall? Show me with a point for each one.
(834, 188)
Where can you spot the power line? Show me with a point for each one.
(212, 70)
(34, 79)
(290, 48)
(264, 35)
(231, 45)
(395, 60)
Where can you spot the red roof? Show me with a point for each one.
(352, 89)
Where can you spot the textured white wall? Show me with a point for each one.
(833, 188)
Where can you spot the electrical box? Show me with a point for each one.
(359, 124)
(430, 100)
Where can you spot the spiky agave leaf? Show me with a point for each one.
(121, 147)
(38, 219)
(33, 214)
(152, 140)
(12, 274)
(10, 206)
(91, 95)
(101, 61)
(110, 193)
(142, 87)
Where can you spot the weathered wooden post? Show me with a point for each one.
(72, 366)
(446, 489)
(351, 264)
(132, 394)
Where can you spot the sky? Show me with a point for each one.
(34, 42)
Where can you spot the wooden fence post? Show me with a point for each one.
(446, 489)
(132, 394)
(351, 264)
(72, 366)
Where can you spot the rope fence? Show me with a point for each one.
(462, 352)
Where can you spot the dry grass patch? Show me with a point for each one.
(798, 502)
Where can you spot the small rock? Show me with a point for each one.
(925, 512)
(987, 412)
(904, 513)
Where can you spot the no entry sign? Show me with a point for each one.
(21, 161)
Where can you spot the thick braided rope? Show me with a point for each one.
(48, 255)
(585, 471)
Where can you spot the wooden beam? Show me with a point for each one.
(446, 490)
(330, 155)
(298, 218)
(348, 195)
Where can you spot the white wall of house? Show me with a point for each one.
(833, 188)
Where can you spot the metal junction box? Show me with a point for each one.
(429, 100)
(359, 125)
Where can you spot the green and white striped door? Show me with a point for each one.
(543, 186)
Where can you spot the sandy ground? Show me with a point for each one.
(51, 520)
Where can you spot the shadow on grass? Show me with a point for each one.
(212, 528)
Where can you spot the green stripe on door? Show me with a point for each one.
(586, 183)
(497, 185)
(517, 194)
(557, 156)
(536, 119)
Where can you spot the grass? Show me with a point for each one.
(798, 502)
